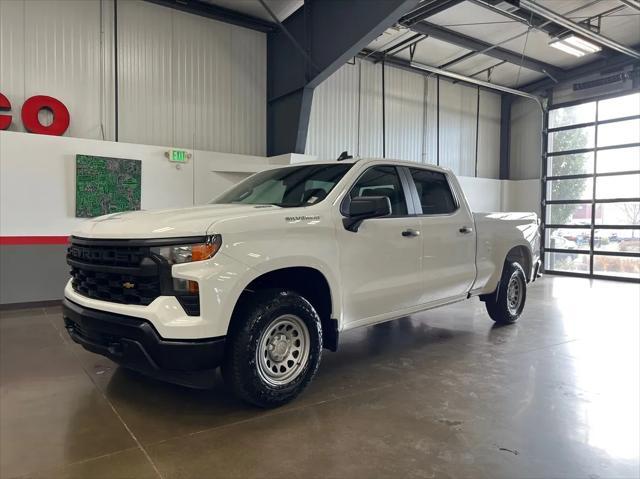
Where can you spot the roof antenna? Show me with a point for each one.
(345, 156)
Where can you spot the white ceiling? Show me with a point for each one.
(281, 8)
(478, 22)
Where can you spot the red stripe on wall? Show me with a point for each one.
(31, 240)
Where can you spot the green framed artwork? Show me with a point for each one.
(106, 185)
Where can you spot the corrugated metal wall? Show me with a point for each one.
(328, 106)
(347, 111)
(526, 123)
(183, 80)
(53, 47)
(489, 135)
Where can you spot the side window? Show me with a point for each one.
(382, 181)
(434, 192)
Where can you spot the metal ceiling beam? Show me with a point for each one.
(476, 45)
(427, 9)
(398, 47)
(474, 81)
(203, 9)
(613, 62)
(635, 4)
(578, 28)
(422, 68)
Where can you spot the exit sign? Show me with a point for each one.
(177, 156)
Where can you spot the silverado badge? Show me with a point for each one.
(128, 285)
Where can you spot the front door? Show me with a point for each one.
(380, 263)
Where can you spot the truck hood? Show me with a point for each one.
(169, 223)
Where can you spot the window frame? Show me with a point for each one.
(404, 185)
(593, 201)
(416, 196)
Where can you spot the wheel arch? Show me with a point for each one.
(522, 255)
(307, 281)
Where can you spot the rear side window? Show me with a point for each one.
(382, 181)
(434, 192)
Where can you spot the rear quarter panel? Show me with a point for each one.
(497, 234)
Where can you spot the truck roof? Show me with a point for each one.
(374, 160)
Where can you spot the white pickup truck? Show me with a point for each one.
(264, 277)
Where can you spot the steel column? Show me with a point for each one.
(505, 135)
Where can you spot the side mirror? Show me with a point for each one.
(365, 207)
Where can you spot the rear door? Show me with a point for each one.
(380, 263)
(449, 239)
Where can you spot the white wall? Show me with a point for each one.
(183, 80)
(37, 179)
(346, 114)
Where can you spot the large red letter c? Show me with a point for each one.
(32, 107)
(5, 105)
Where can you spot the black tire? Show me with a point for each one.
(497, 303)
(241, 369)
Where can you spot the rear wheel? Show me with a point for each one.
(274, 348)
(505, 305)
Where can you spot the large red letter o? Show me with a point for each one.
(32, 107)
(5, 105)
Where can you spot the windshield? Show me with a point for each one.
(287, 187)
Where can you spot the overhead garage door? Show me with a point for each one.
(592, 189)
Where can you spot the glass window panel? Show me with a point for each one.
(617, 266)
(382, 181)
(619, 107)
(567, 238)
(575, 164)
(434, 192)
(572, 115)
(619, 133)
(576, 189)
(620, 159)
(574, 139)
(627, 241)
(623, 213)
(571, 262)
(568, 214)
(619, 186)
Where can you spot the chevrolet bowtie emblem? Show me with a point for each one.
(128, 285)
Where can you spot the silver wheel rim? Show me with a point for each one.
(515, 291)
(283, 350)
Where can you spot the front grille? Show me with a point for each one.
(120, 274)
(108, 255)
(115, 287)
(122, 271)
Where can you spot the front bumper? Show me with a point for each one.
(134, 343)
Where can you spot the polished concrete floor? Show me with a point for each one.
(442, 394)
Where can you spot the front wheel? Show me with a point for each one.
(505, 305)
(274, 349)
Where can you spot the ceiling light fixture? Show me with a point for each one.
(574, 45)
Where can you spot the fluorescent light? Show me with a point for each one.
(560, 45)
(583, 45)
(573, 45)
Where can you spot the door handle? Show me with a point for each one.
(465, 230)
(410, 233)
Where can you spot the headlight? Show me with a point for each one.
(189, 253)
